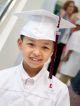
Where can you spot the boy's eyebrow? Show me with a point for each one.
(47, 44)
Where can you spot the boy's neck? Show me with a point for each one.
(31, 71)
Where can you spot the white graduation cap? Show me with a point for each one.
(41, 24)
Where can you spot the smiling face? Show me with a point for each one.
(35, 52)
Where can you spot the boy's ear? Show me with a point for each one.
(51, 54)
(52, 51)
(19, 42)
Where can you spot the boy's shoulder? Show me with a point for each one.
(5, 74)
(8, 70)
(58, 85)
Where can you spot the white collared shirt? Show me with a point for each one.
(17, 88)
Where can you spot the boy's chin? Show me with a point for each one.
(36, 67)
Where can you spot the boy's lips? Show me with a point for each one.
(35, 59)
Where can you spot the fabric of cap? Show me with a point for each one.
(41, 28)
(41, 24)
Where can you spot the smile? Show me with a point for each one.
(35, 59)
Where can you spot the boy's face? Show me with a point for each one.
(35, 52)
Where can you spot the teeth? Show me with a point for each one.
(35, 59)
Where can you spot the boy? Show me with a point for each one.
(29, 84)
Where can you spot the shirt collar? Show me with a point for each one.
(24, 75)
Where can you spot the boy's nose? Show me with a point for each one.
(36, 52)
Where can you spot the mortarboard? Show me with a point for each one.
(41, 24)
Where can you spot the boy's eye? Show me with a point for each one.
(44, 47)
(30, 44)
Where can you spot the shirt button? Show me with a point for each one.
(29, 82)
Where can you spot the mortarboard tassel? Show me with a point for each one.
(54, 53)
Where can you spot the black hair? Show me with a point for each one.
(76, 10)
(22, 37)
